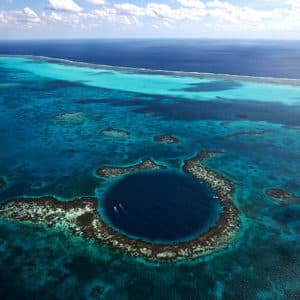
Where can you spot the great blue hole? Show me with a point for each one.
(160, 206)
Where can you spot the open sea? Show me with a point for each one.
(241, 97)
(240, 57)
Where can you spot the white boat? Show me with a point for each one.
(123, 209)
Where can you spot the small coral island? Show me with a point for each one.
(71, 117)
(81, 217)
(166, 139)
(283, 196)
(115, 133)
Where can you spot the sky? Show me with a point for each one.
(44, 19)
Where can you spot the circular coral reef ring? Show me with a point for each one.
(81, 217)
(159, 206)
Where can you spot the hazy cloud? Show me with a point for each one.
(64, 5)
(192, 3)
(96, 2)
(196, 15)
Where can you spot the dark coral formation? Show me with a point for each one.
(166, 139)
(146, 164)
(2, 183)
(115, 133)
(283, 196)
(81, 217)
(239, 133)
(97, 291)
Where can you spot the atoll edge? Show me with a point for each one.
(81, 217)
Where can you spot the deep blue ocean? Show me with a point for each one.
(51, 115)
(162, 207)
(241, 57)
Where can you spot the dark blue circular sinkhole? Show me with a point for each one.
(161, 206)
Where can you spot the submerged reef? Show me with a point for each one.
(290, 127)
(146, 164)
(2, 183)
(283, 196)
(115, 133)
(239, 133)
(97, 291)
(72, 117)
(81, 217)
(166, 139)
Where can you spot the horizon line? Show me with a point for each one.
(149, 38)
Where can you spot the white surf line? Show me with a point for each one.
(260, 79)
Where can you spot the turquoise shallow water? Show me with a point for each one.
(41, 154)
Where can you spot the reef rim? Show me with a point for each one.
(81, 217)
